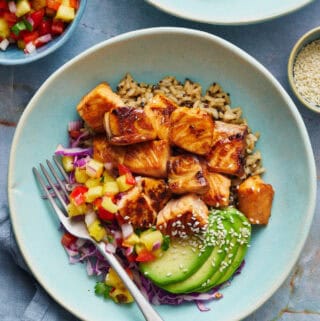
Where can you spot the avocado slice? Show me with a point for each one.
(210, 266)
(185, 267)
(238, 258)
(235, 255)
(182, 259)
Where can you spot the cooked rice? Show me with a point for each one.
(215, 101)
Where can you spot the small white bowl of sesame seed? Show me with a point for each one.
(304, 69)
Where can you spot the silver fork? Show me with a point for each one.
(78, 229)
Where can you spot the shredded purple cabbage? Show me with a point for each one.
(87, 253)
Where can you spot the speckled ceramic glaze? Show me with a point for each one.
(15, 56)
(231, 12)
(150, 55)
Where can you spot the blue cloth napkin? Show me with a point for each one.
(21, 297)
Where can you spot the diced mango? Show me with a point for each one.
(23, 7)
(74, 210)
(107, 177)
(112, 279)
(149, 238)
(139, 247)
(111, 188)
(108, 205)
(94, 168)
(132, 240)
(92, 182)
(67, 163)
(80, 175)
(4, 28)
(93, 193)
(121, 295)
(123, 185)
(65, 13)
(97, 231)
(21, 44)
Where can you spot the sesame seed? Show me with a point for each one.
(305, 72)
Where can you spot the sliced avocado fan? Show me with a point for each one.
(186, 268)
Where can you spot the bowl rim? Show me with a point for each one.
(61, 40)
(300, 43)
(232, 22)
(208, 37)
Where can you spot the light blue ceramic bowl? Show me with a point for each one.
(231, 12)
(150, 55)
(15, 56)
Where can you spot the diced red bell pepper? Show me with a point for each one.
(120, 219)
(103, 214)
(77, 195)
(53, 4)
(3, 5)
(130, 179)
(131, 257)
(74, 4)
(37, 18)
(57, 27)
(123, 169)
(145, 256)
(44, 27)
(14, 37)
(67, 239)
(30, 36)
(10, 18)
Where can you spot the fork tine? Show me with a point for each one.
(45, 189)
(62, 171)
(58, 179)
(52, 185)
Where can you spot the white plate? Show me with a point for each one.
(229, 12)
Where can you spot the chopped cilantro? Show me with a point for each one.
(166, 242)
(102, 289)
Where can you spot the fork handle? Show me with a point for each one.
(147, 310)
